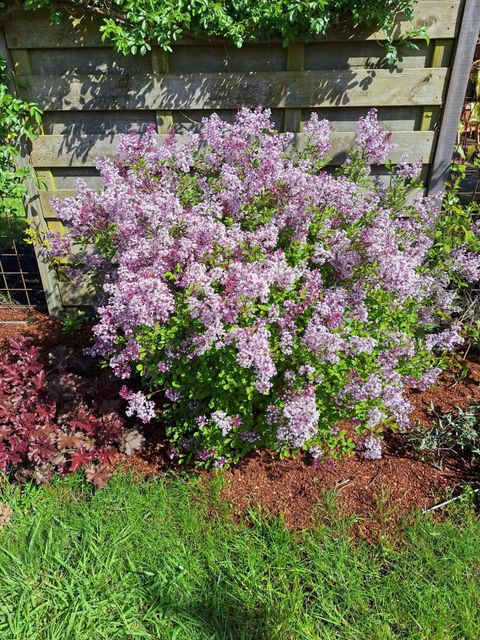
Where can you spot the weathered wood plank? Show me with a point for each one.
(295, 62)
(56, 151)
(467, 39)
(204, 57)
(75, 295)
(35, 31)
(76, 123)
(286, 89)
(68, 178)
(367, 54)
(392, 118)
(46, 201)
(86, 60)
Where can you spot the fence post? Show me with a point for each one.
(457, 86)
(33, 208)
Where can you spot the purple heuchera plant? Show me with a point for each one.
(260, 297)
(54, 420)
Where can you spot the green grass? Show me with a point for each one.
(144, 560)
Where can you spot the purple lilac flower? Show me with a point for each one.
(249, 436)
(408, 171)
(254, 352)
(223, 422)
(204, 454)
(375, 142)
(59, 245)
(299, 419)
(319, 135)
(316, 453)
(447, 339)
(137, 404)
(467, 264)
(173, 394)
(370, 448)
(427, 379)
(375, 417)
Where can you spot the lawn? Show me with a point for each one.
(161, 559)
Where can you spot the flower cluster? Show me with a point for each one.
(261, 299)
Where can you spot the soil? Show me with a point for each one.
(44, 331)
(379, 493)
(17, 320)
(456, 388)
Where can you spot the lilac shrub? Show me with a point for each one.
(261, 300)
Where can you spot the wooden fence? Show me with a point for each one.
(91, 94)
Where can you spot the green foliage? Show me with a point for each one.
(134, 25)
(451, 435)
(73, 321)
(459, 219)
(18, 120)
(143, 561)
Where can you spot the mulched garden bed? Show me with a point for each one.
(379, 492)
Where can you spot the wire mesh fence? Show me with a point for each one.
(20, 283)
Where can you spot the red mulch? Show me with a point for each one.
(45, 331)
(380, 493)
(456, 388)
(17, 320)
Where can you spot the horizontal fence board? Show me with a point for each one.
(391, 118)
(209, 58)
(56, 151)
(285, 89)
(440, 17)
(70, 180)
(87, 60)
(367, 55)
(73, 124)
(267, 57)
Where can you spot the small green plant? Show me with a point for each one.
(19, 120)
(452, 434)
(73, 321)
(460, 223)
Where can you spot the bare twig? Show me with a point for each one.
(444, 504)
(343, 483)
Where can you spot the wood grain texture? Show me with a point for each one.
(74, 295)
(57, 151)
(37, 32)
(285, 89)
(465, 48)
(295, 62)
